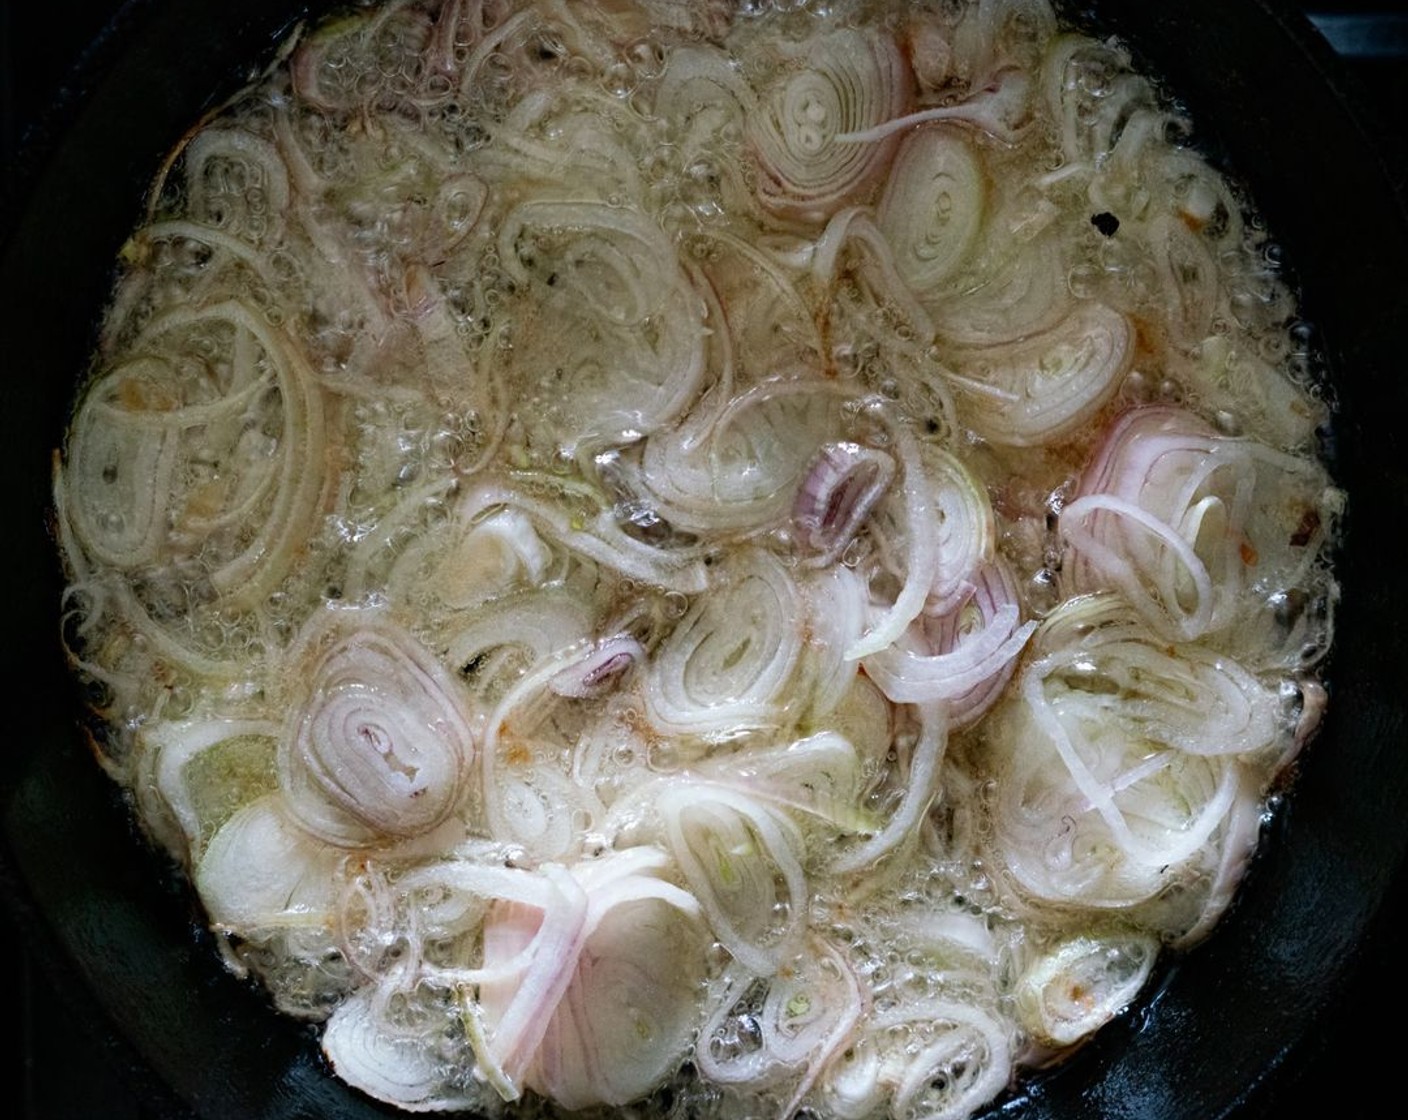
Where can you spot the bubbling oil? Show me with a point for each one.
(517, 348)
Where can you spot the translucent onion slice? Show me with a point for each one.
(785, 1029)
(966, 531)
(739, 470)
(771, 328)
(1040, 389)
(627, 1017)
(742, 861)
(933, 206)
(853, 226)
(963, 1060)
(841, 487)
(236, 182)
(995, 34)
(598, 536)
(1072, 101)
(120, 471)
(1020, 288)
(850, 81)
(498, 554)
(1100, 801)
(529, 801)
(1180, 520)
(200, 797)
(837, 606)
(813, 1009)
(921, 531)
(935, 1058)
(378, 744)
(920, 785)
(1238, 840)
(392, 1064)
(703, 95)
(728, 664)
(1274, 410)
(964, 657)
(262, 871)
(1081, 983)
(499, 641)
(229, 470)
(1188, 277)
(624, 353)
(822, 775)
(538, 810)
(1002, 109)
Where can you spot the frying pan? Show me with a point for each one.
(1236, 1029)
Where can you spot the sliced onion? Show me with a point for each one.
(169, 750)
(379, 744)
(703, 94)
(728, 664)
(499, 553)
(740, 470)
(1100, 801)
(933, 206)
(1188, 278)
(853, 225)
(600, 670)
(529, 801)
(822, 775)
(962, 1059)
(624, 353)
(1020, 289)
(761, 1034)
(920, 785)
(742, 862)
(1081, 983)
(841, 488)
(236, 182)
(494, 647)
(262, 871)
(964, 657)
(546, 936)
(120, 469)
(626, 1019)
(250, 500)
(851, 80)
(1002, 109)
(395, 1065)
(1040, 389)
(966, 532)
(1180, 520)
(837, 606)
(921, 548)
(935, 1058)
(598, 537)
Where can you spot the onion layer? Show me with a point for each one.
(380, 745)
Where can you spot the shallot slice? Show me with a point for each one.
(597, 672)
(842, 486)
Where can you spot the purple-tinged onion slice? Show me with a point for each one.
(841, 487)
(377, 743)
(851, 80)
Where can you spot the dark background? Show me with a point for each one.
(66, 1069)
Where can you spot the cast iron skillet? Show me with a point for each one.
(1228, 1032)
